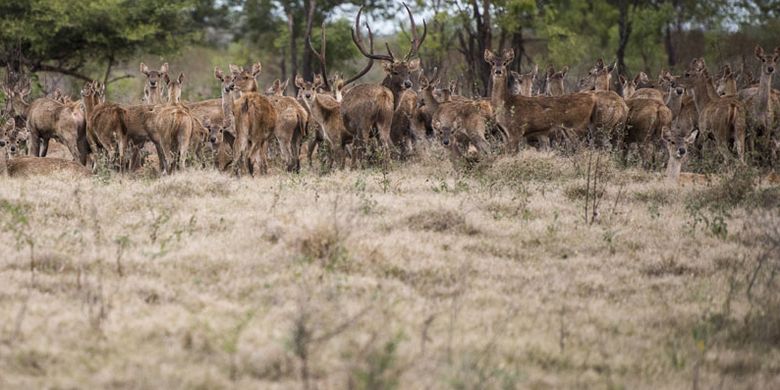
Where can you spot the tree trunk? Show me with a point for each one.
(309, 6)
(293, 48)
(671, 57)
(624, 26)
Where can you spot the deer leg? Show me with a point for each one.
(184, 139)
(161, 152)
(44, 147)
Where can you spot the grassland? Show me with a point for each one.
(424, 277)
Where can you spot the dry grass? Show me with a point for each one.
(422, 278)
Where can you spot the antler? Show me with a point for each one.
(416, 41)
(321, 55)
(359, 42)
(370, 63)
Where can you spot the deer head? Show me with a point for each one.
(555, 80)
(677, 143)
(16, 98)
(523, 84)
(174, 88)
(244, 79)
(499, 71)
(153, 80)
(307, 90)
(277, 88)
(768, 63)
(727, 83)
(398, 71)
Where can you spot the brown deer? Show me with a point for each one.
(371, 106)
(727, 82)
(154, 78)
(763, 106)
(174, 123)
(292, 121)
(611, 111)
(523, 116)
(461, 123)
(721, 117)
(254, 121)
(25, 166)
(49, 119)
(555, 81)
(277, 88)
(523, 84)
(222, 134)
(326, 111)
(401, 132)
(677, 140)
(647, 121)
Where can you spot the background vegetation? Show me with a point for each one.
(64, 42)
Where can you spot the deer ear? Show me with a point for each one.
(218, 74)
(181, 78)
(256, 68)
(144, 69)
(550, 71)
(164, 68)
(166, 78)
(299, 81)
(565, 70)
(234, 69)
(622, 79)
(759, 52)
(691, 137)
(489, 56)
(638, 78)
(276, 84)
(283, 87)
(612, 66)
(414, 65)
(509, 55)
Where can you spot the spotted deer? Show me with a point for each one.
(222, 133)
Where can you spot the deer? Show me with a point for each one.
(523, 84)
(722, 117)
(555, 85)
(611, 112)
(521, 116)
(24, 166)
(174, 123)
(49, 119)
(277, 88)
(17, 106)
(371, 106)
(292, 121)
(325, 107)
(727, 82)
(460, 124)
(154, 78)
(677, 141)
(254, 121)
(104, 123)
(222, 134)
(326, 111)
(401, 132)
(648, 120)
(763, 105)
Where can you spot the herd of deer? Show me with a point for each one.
(394, 118)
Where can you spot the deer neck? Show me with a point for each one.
(3, 162)
(227, 104)
(602, 84)
(500, 92)
(429, 100)
(395, 89)
(674, 102)
(320, 111)
(155, 95)
(764, 91)
(703, 93)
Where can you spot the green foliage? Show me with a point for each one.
(66, 35)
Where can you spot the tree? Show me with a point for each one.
(64, 37)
